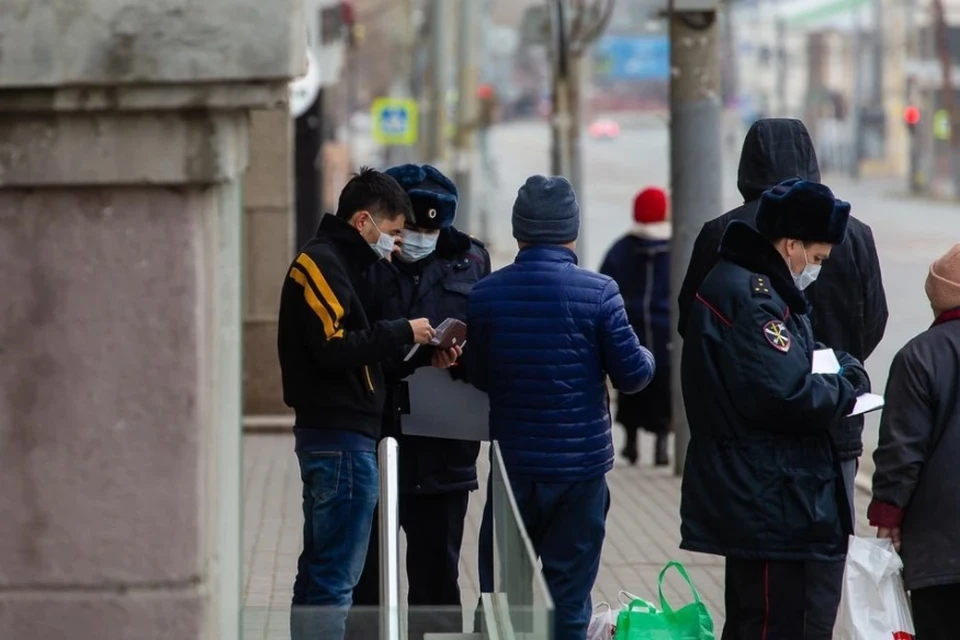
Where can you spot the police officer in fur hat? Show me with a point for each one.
(432, 272)
(762, 483)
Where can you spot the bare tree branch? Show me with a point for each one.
(579, 14)
(596, 29)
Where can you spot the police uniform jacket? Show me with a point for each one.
(436, 288)
(762, 477)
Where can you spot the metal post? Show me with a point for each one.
(402, 85)
(575, 163)
(878, 50)
(389, 540)
(782, 68)
(857, 111)
(695, 161)
(436, 149)
(485, 58)
(560, 120)
(466, 109)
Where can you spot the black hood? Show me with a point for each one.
(775, 149)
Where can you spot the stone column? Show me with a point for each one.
(123, 136)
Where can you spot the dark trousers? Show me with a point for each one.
(779, 600)
(824, 580)
(933, 612)
(566, 523)
(434, 529)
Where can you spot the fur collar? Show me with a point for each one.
(744, 246)
(452, 243)
(653, 231)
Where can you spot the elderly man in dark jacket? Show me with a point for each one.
(543, 336)
(432, 274)
(915, 482)
(762, 483)
(848, 308)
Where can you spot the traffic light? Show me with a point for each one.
(911, 116)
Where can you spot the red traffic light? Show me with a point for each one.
(911, 115)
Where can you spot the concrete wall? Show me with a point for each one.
(268, 206)
(123, 138)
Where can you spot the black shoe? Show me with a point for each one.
(662, 455)
(631, 454)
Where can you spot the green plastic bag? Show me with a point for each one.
(642, 621)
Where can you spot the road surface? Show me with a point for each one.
(910, 232)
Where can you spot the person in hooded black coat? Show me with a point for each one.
(848, 307)
(762, 482)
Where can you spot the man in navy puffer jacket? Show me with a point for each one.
(544, 335)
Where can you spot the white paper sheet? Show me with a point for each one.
(441, 407)
(825, 361)
(866, 403)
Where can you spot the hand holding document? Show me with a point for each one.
(450, 333)
(825, 361)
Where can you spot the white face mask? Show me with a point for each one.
(809, 274)
(417, 245)
(383, 247)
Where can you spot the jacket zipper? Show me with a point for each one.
(366, 373)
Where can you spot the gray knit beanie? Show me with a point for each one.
(546, 211)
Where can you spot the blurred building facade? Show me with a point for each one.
(849, 68)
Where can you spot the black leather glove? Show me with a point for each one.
(856, 375)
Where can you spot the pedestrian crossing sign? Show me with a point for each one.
(941, 125)
(394, 121)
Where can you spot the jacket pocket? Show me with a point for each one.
(810, 506)
(368, 379)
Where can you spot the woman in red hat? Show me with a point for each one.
(640, 264)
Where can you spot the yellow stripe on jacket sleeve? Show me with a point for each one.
(322, 286)
(314, 302)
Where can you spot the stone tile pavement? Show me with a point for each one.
(642, 535)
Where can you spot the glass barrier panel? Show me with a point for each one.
(363, 623)
(518, 579)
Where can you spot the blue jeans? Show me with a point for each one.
(340, 490)
(566, 523)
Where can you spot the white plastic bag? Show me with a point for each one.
(603, 624)
(874, 603)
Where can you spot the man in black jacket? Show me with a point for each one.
(848, 308)
(330, 361)
(431, 275)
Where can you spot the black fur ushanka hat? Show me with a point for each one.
(802, 210)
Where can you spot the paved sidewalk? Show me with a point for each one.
(642, 535)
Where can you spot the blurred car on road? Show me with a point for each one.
(604, 129)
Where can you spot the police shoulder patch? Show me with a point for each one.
(759, 285)
(777, 336)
